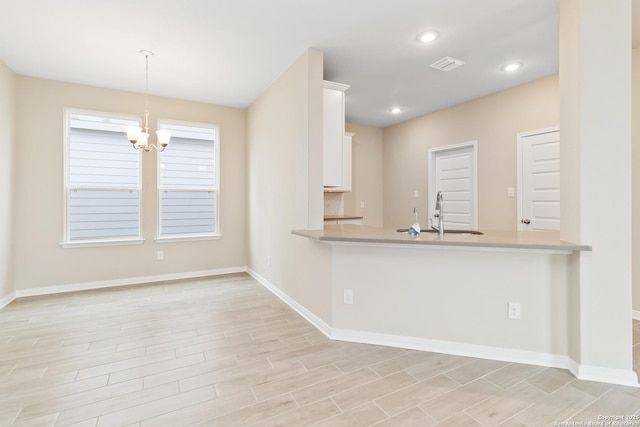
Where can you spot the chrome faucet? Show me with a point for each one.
(439, 215)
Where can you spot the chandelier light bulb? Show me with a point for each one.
(163, 136)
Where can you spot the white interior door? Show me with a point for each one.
(539, 173)
(454, 172)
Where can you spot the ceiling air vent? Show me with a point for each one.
(447, 64)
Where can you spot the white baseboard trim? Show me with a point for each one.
(612, 376)
(7, 299)
(635, 314)
(608, 375)
(320, 324)
(455, 348)
(50, 290)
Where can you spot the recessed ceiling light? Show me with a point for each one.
(396, 110)
(427, 36)
(511, 67)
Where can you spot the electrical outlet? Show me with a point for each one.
(415, 194)
(160, 255)
(348, 296)
(361, 205)
(514, 310)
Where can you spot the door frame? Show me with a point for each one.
(433, 152)
(520, 140)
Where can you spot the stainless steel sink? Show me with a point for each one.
(454, 231)
(404, 230)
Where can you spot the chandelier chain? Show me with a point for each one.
(146, 91)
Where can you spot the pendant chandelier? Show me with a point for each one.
(136, 135)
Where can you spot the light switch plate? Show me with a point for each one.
(348, 296)
(514, 311)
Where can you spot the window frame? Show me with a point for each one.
(67, 188)
(190, 236)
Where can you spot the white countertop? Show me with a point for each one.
(523, 240)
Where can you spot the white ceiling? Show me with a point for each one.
(228, 52)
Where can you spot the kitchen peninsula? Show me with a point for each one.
(515, 240)
(451, 295)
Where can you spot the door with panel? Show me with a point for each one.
(454, 172)
(539, 173)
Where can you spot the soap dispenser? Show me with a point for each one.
(414, 230)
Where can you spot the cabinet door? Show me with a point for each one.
(347, 145)
(332, 138)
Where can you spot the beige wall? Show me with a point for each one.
(39, 214)
(494, 121)
(7, 150)
(285, 186)
(367, 177)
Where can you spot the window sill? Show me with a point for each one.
(187, 238)
(94, 243)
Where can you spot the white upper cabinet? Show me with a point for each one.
(347, 144)
(333, 134)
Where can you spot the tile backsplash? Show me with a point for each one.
(333, 204)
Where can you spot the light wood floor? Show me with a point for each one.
(225, 352)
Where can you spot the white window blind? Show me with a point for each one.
(188, 181)
(102, 179)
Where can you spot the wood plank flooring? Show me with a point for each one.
(224, 351)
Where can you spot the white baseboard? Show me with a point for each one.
(612, 376)
(7, 299)
(455, 348)
(320, 324)
(635, 314)
(50, 290)
(608, 375)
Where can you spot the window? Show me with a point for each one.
(102, 180)
(188, 182)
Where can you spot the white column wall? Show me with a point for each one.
(284, 127)
(595, 122)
